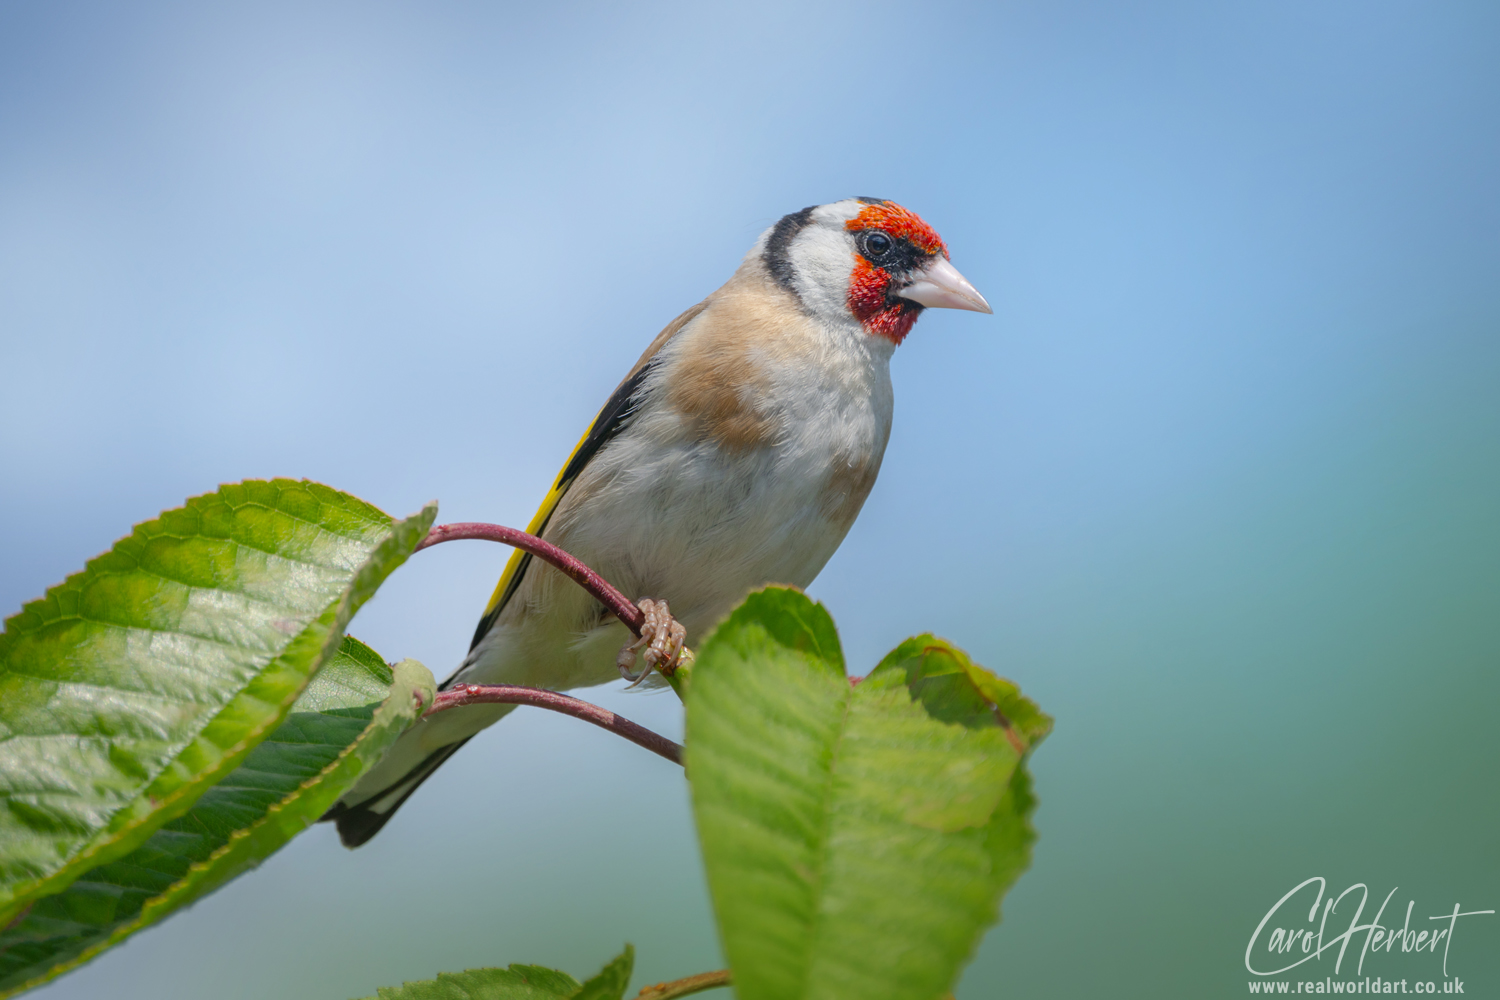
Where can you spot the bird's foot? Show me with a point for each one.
(661, 638)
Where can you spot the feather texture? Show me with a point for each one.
(736, 452)
(621, 405)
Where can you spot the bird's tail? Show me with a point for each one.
(419, 751)
(359, 822)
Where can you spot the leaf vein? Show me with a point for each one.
(825, 834)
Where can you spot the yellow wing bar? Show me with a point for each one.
(609, 421)
(518, 559)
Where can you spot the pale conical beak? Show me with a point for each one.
(940, 286)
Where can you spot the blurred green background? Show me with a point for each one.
(1218, 485)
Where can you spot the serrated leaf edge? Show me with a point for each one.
(412, 678)
(108, 844)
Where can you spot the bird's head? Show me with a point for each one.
(867, 258)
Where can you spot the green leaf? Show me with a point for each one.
(857, 838)
(137, 684)
(611, 981)
(517, 982)
(346, 718)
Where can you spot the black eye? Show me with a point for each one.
(877, 244)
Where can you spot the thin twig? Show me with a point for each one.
(684, 987)
(510, 694)
(618, 604)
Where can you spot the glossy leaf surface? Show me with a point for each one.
(137, 684)
(345, 719)
(857, 839)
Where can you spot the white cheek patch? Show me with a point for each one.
(823, 258)
(814, 253)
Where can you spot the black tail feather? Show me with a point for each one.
(358, 823)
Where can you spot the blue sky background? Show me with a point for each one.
(1218, 484)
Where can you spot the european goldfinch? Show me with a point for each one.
(737, 452)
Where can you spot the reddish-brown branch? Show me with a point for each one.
(509, 694)
(685, 987)
(618, 604)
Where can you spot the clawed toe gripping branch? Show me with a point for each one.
(660, 635)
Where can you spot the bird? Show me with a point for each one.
(737, 452)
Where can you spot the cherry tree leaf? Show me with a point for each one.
(136, 685)
(341, 724)
(857, 838)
